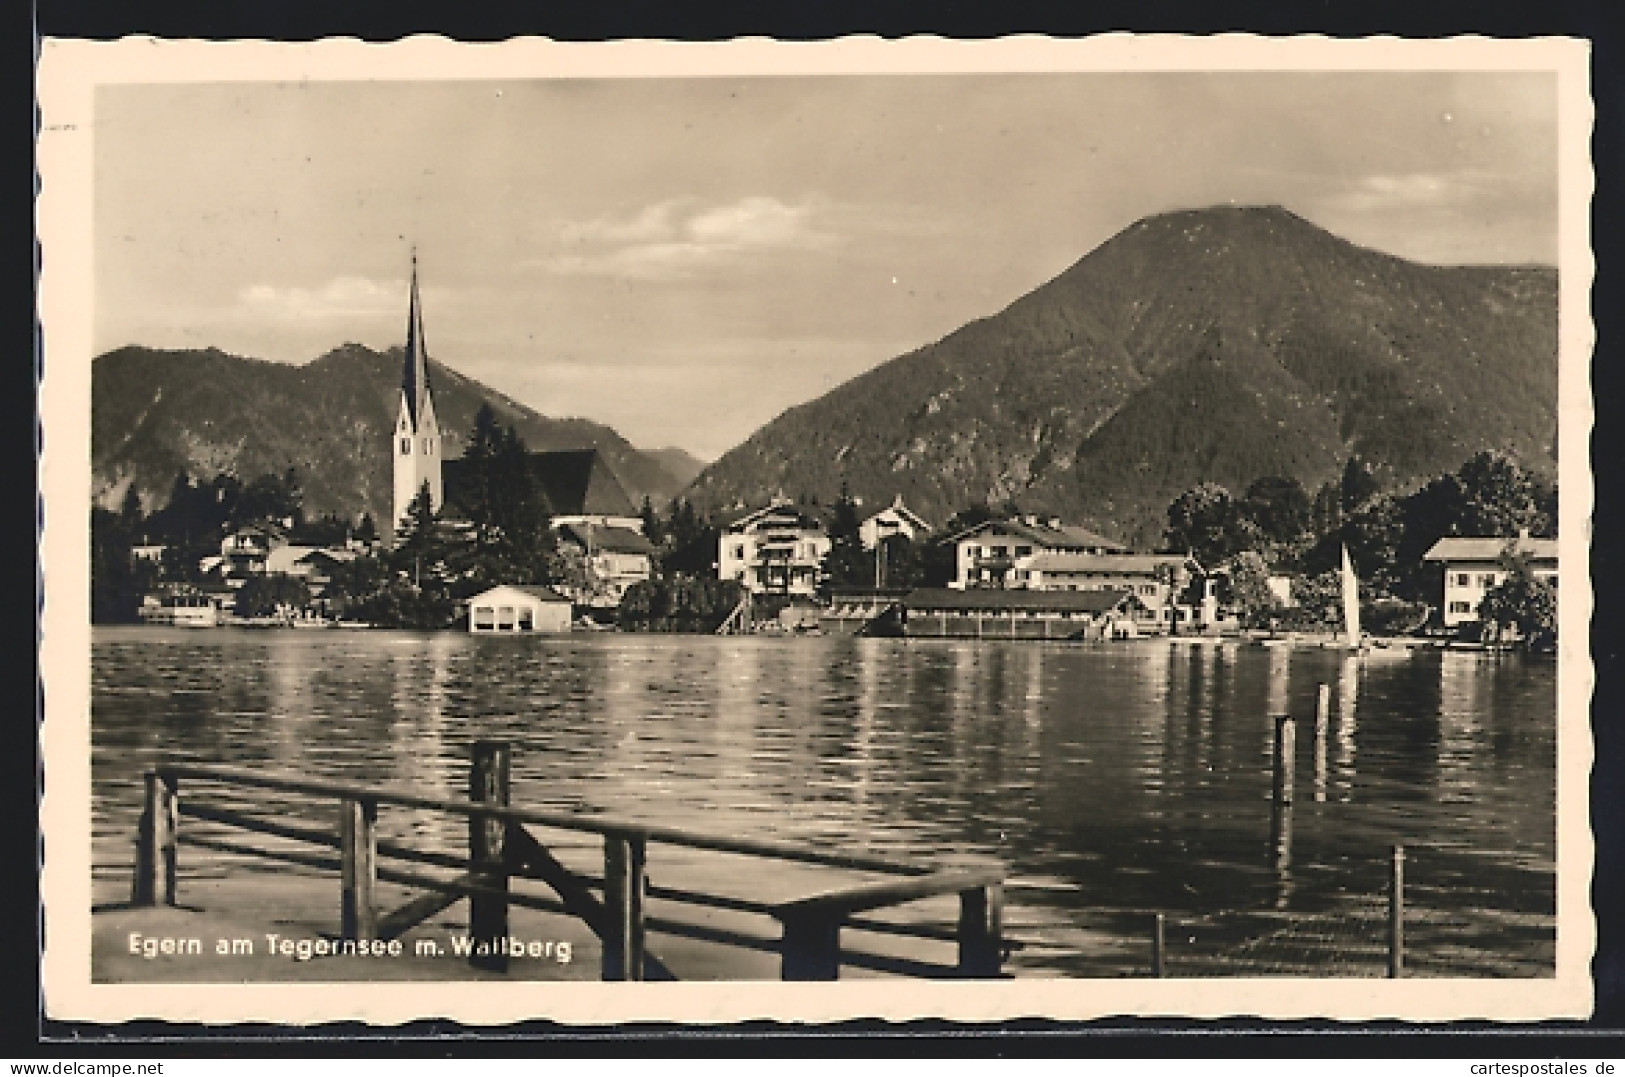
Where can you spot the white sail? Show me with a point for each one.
(1351, 601)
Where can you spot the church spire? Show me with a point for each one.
(415, 372)
(416, 440)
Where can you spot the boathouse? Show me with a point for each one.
(992, 613)
(518, 607)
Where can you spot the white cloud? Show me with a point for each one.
(1411, 190)
(341, 297)
(649, 224)
(671, 239)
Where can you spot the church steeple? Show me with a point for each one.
(416, 443)
(415, 372)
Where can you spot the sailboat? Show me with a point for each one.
(1351, 605)
(1354, 642)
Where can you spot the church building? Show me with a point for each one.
(417, 435)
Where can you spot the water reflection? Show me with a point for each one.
(1281, 851)
(1126, 777)
(1348, 691)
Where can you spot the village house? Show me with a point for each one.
(778, 549)
(518, 608)
(893, 520)
(244, 553)
(616, 557)
(999, 553)
(1159, 580)
(1475, 566)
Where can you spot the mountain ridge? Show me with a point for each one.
(1216, 344)
(157, 412)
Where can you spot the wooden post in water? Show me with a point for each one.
(625, 887)
(981, 932)
(155, 843)
(1158, 946)
(1286, 739)
(1323, 707)
(1396, 914)
(358, 869)
(488, 780)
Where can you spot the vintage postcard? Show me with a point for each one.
(717, 531)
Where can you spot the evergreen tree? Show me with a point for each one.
(847, 564)
(690, 546)
(130, 514)
(653, 529)
(902, 562)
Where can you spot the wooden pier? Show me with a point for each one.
(505, 857)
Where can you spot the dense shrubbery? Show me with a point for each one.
(679, 604)
(1523, 609)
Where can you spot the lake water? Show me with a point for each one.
(1115, 780)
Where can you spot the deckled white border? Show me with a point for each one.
(68, 73)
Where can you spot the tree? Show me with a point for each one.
(1326, 512)
(270, 499)
(902, 562)
(1522, 606)
(1359, 484)
(420, 554)
(354, 583)
(847, 564)
(1488, 496)
(1499, 498)
(690, 542)
(679, 604)
(130, 514)
(938, 560)
(653, 529)
(117, 582)
(1318, 601)
(271, 596)
(1208, 525)
(1250, 595)
(1278, 507)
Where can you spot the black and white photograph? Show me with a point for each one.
(861, 528)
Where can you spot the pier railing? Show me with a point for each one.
(503, 848)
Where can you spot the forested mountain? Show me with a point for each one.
(681, 464)
(157, 413)
(1219, 345)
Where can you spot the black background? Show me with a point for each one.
(27, 1034)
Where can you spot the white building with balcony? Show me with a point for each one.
(999, 553)
(776, 550)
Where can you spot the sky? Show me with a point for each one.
(684, 259)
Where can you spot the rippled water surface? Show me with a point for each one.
(1114, 780)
